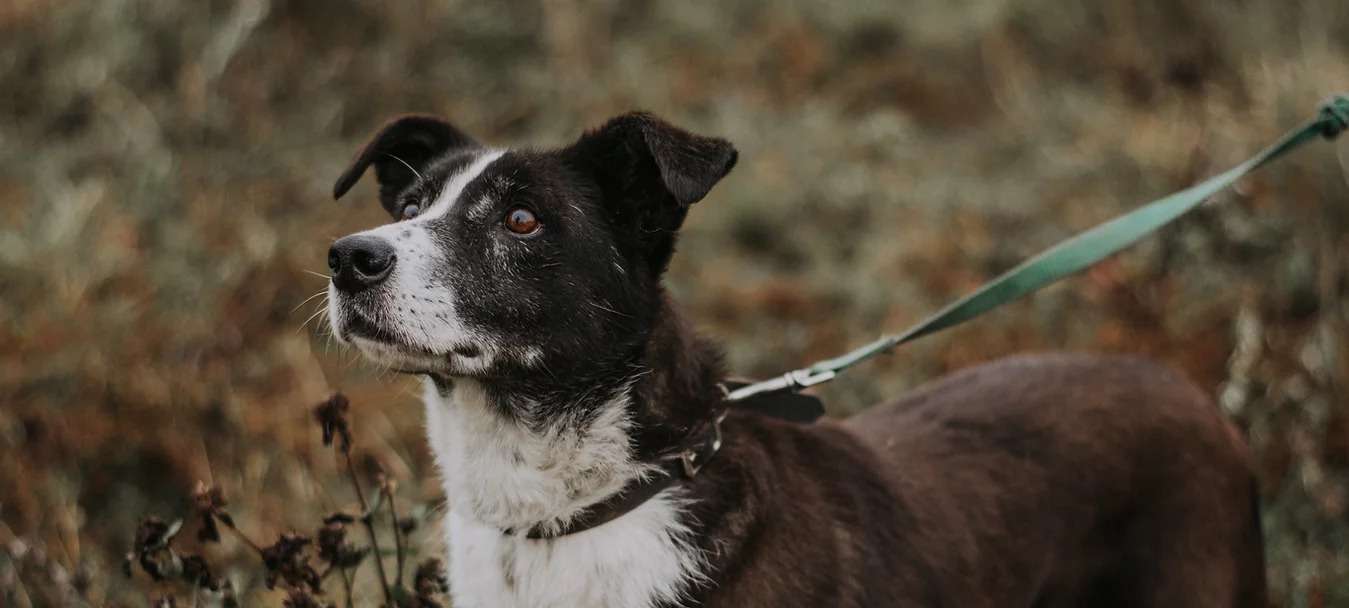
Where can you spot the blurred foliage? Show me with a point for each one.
(164, 179)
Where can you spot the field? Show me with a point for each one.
(165, 178)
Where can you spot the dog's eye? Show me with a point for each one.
(521, 221)
(410, 211)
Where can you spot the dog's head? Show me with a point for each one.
(501, 262)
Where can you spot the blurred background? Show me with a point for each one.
(165, 171)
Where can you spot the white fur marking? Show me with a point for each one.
(454, 187)
(416, 310)
(498, 475)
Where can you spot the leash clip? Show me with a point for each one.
(793, 381)
(1335, 116)
(804, 378)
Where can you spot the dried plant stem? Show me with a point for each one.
(344, 575)
(366, 516)
(346, 586)
(229, 523)
(397, 538)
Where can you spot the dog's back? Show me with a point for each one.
(579, 426)
(1062, 480)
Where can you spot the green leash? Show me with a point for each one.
(1062, 260)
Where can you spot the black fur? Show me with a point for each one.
(588, 282)
(413, 139)
(1043, 481)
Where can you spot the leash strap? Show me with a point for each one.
(1062, 260)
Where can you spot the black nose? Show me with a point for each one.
(360, 261)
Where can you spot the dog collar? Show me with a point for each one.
(673, 466)
(686, 460)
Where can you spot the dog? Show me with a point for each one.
(589, 457)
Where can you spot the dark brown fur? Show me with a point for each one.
(1039, 481)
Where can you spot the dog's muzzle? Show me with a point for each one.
(359, 262)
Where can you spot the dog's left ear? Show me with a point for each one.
(400, 150)
(650, 172)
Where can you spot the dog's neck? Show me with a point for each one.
(538, 455)
(558, 452)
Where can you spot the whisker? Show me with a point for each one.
(320, 311)
(606, 308)
(318, 274)
(405, 164)
(309, 299)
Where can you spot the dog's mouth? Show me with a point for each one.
(386, 347)
(356, 325)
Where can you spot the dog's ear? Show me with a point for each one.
(400, 150)
(650, 172)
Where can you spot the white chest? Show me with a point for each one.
(634, 561)
(497, 475)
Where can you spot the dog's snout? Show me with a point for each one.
(360, 261)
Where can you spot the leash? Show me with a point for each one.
(1060, 261)
(778, 397)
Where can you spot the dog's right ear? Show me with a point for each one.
(400, 151)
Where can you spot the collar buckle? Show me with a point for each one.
(693, 459)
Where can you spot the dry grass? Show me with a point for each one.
(164, 171)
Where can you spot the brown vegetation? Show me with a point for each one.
(164, 178)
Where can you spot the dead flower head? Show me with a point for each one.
(287, 560)
(332, 542)
(151, 549)
(210, 506)
(332, 418)
(430, 580)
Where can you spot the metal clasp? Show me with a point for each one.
(689, 457)
(803, 378)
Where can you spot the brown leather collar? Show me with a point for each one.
(683, 462)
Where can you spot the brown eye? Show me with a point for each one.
(522, 221)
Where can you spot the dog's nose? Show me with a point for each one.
(360, 261)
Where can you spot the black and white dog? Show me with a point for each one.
(589, 460)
